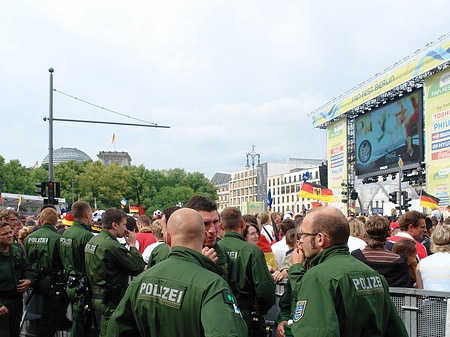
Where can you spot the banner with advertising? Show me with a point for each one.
(409, 71)
(251, 207)
(437, 135)
(337, 160)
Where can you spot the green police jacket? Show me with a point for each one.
(249, 277)
(109, 262)
(341, 296)
(42, 247)
(181, 296)
(73, 241)
(160, 253)
(13, 267)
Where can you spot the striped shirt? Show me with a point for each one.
(379, 254)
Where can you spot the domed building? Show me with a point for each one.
(66, 154)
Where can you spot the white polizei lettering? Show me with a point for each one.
(173, 295)
(143, 285)
(179, 296)
(363, 283)
(374, 282)
(356, 283)
(155, 291)
(164, 294)
(149, 289)
(379, 282)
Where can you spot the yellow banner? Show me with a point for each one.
(437, 135)
(337, 160)
(414, 68)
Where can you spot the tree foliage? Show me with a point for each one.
(108, 185)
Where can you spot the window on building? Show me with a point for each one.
(295, 179)
(292, 199)
(317, 175)
(273, 181)
(298, 209)
(278, 200)
(282, 199)
(283, 209)
(297, 188)
(283, 190)
(278, 181)
(289, 179)
(278, 191)
(269, 182)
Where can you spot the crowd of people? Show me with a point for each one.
(192, 271)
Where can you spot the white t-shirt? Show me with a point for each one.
(355, 243)
(279, 249)
(148, 250)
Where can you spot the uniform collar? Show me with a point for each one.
(230, 234)
(185, 253)
(107, 233)
(341, 249)
(78, 223)
(48, 226)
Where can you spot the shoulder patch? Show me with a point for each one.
(299, 310)
(229, 299)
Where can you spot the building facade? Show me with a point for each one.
(221, 181)
(286, 187)
(108, 157)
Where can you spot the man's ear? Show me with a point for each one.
(322, 240)
(242, 224)
(168, 239)
(221, 227)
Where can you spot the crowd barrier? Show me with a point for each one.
(424, 313)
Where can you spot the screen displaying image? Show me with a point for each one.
(392, 130)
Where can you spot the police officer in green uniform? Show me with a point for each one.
(12, 217)
(208, 210)
(109, 263)
(250, 278)
(182, 295)
(73, 241)
(42, 248)
(338, 295)
(15, 278)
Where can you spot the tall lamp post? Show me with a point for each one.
(252, 155)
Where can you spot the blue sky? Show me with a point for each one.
(223, 74)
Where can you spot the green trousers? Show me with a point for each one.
(10, 323)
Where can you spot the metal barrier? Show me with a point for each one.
(423, 312)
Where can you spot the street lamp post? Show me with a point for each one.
(252, 155)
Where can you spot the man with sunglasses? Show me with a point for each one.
(338, 295)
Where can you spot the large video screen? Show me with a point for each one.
(391, 130)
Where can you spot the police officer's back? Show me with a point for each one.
(250, 279)
(42, 247)
(109, 263)
(73, 241)
(182, 295)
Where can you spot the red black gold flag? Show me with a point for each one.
(141, 209)
(315, 191)
(427, 200)
(316, 204)
(134, 208)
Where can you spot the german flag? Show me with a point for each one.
(352, 209)
(316, 204)
(427, 200)
(315, 191)
(134, 209)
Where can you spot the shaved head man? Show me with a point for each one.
(186, 229)
(182, 295)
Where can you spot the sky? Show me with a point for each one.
(224, 75)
